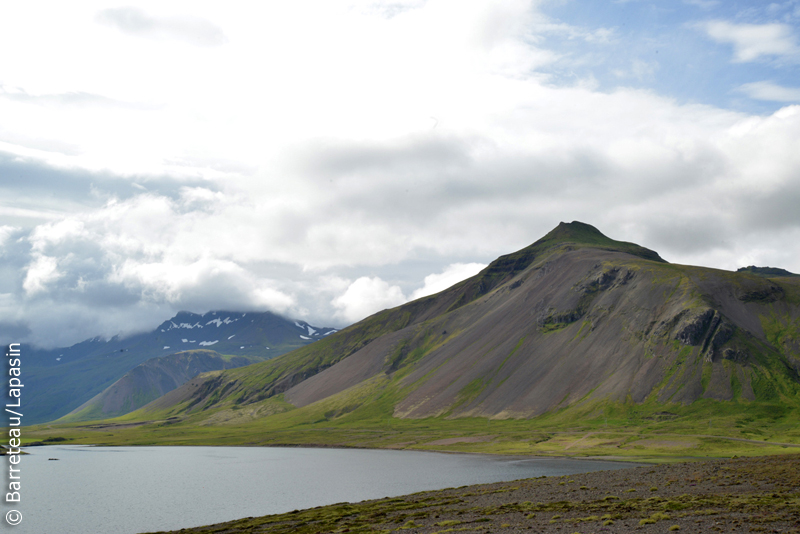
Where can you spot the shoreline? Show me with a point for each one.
(637, 444)
(617, 459)
(642, 460)
(739, 495)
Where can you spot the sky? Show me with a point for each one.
(328, 159)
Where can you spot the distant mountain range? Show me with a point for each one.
(59, 381)
(575, 323)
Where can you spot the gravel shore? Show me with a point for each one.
(733, 495)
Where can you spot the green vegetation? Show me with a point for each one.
(587, 235)
(645, 432)
(150, 380)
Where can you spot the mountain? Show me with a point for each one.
(574, 319)
(574, 323)
(60, 380)
(577, 344)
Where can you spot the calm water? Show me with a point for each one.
(125, 490)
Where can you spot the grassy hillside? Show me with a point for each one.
(150, 380)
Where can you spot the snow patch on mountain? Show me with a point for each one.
(219, 322)
(184, 325)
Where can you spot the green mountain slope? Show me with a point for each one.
(150, 380)
(575, 329)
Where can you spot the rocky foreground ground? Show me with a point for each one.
(735, 495)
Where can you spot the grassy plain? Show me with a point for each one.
(645, 432)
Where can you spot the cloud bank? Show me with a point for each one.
(327, 160)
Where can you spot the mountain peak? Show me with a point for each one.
(575, 234)
(578, 226)
(580, 233)
(575, 231)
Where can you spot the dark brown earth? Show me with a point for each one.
(738, 495)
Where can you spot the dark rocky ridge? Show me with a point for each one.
(766, 272)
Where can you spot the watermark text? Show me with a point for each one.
(14, 410)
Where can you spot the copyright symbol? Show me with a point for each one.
(13, 517)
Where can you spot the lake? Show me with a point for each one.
(127, 490)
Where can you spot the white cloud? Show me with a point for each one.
(41, 272)
(366, 296)
(206, 283)
(769, 91)
(46, 235)
(5, 233)
(452, 274)
(752, 41)
(297, 168)
(135, 21)
(640, 161)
